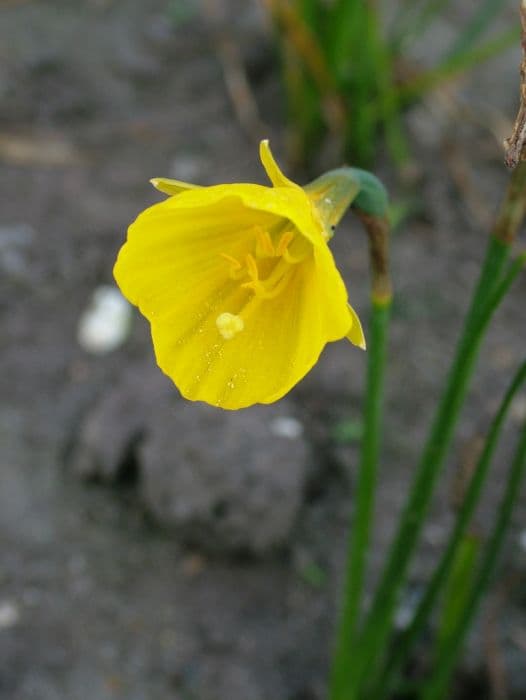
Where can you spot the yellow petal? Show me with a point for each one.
(355, 334)
(174, 251)
(172, 187)
(280, 340)
(291, 204)
(277, 178)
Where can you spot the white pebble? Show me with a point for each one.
(9, 614)
(105, 324)
(286, 427)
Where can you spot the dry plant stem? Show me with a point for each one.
(377, 229)
(513, 208)
(515, 145)
(489, 292)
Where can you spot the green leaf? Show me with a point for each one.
(457, 588)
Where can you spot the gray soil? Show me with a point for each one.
(154, 549)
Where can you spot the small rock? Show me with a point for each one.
(225, 480)
(9, 614)
(116, 422)
(105, 324)
(286, 427)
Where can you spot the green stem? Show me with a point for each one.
(360, 532)
(497, 253)
(378, 624)
(409, 637)
(437, 688)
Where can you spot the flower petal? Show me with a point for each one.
(355, 334)
(171, 187)
(281, 339)
(173, 252)
(277, 178)
(286, 203)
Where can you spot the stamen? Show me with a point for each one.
(289, 251)
(293, 259)
(264, 245)
(272, 285)
(252, 267)
(229, 325)
(235, 266)
(284, 241)
(264, 291)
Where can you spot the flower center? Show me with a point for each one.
(264, 272)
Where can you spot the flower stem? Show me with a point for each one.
(366, 488)
(378, 232)
(378, 624)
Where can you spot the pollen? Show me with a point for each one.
(229, 325)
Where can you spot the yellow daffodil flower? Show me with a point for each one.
(238, 284)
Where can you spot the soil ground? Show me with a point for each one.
(97, 601)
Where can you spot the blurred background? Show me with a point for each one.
(152, 548)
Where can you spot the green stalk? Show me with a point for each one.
(366, 488)
(407, 639)
(497, 253)
(378, 623)
(489, 291)
(438, 685)
(370, 205)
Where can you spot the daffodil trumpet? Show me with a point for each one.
(238, 282)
